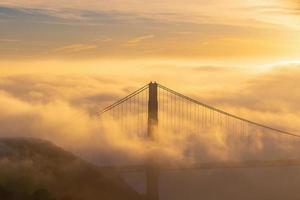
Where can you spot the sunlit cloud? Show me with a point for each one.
(8, 40)
(158, 35)
(73, 48)
(138, 40)
(103, 40)
(279, 64)
(64, 106)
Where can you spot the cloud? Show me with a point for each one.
(213, 69)
(73, 128)
(137, 40)
(153, 35)
(60, 109)
(9, 40)
(270, 97)
(103, 40)
(131, 5)
(45, 89)
(74, 48)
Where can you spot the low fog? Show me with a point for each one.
(62, 109)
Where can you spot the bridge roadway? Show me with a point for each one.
(209, 165)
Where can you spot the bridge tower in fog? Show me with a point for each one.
(152, 171)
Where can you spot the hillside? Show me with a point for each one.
(34, 169)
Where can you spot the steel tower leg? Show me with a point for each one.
(152, 172)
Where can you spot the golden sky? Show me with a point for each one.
(241, 30)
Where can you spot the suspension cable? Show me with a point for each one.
(226, 113)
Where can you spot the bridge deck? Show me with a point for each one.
(210, 165)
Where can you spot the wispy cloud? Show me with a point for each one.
(74, 48)
(213, 69)
(8, 40)
(137, 40)
(103, 40)
(92, 32)
(80, 47)
(106, 40)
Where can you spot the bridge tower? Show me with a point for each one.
(152, 172)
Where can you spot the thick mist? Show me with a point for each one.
(62, 110)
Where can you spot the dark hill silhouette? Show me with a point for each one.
(33, 169)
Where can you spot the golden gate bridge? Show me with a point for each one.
(154, 110)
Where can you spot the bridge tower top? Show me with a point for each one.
(152, 111)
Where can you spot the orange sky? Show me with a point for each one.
(234, 31)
